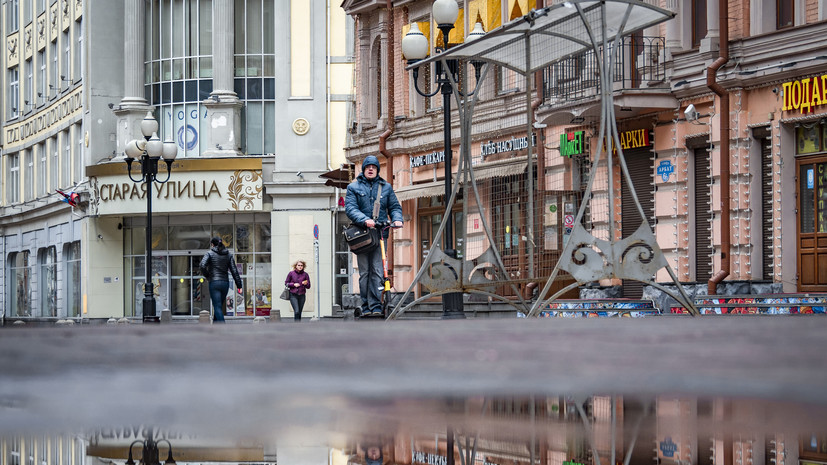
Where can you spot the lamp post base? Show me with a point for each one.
(150, 316)
(452, 306)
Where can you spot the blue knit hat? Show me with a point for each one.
(370, 160)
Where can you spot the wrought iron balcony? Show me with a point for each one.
(640, 64)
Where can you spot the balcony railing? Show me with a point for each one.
(639, 65)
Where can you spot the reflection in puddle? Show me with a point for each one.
(549, 430)
(541, 392)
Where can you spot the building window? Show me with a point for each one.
(13, 193)
(78, 57)
(19, 285)
(785, 10)
(14, 92)
(28, 159)
(699, 26)
(54, 84)
(41, 77)
(73, 297)
(42, 169)
(27, 11)
(66, 74)
(12, 16)
(78, 156)
(179, 69)
(54, 167)
(28, 89)
(47, 260)
(66, 165)
(41, 6)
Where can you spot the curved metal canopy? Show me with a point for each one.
(556, 32)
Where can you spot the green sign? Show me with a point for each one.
(571, 144)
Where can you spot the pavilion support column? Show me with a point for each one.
(223, 105)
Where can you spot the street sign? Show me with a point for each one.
(316, 231)
(568, 221)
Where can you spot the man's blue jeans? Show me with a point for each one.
(370, 280)
(218, 295)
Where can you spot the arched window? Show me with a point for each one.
(47, 277)
(71, 253)
(19, 284)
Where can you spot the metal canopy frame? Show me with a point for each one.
(526, 45)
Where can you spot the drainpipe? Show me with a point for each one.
(712, 83)
(389, 31)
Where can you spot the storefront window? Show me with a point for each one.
(177, 281)
(807, 138)
(431, 210)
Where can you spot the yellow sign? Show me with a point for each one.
(805, 94)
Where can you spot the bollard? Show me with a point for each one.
(259, 320)
(166, 316)
(204, 316)
(123, 320)
(111, 321)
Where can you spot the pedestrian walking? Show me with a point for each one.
(216, 265)
(298, 281)
(360, 204)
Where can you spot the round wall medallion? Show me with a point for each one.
(301, 126)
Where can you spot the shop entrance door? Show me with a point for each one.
(812, 224)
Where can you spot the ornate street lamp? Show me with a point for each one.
(414, 48)
(149, 454)
(149, 151)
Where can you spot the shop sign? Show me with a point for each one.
(233, 191)
(428, 458)
(668, 447)
(805, 94)
(429, 159)
(665, 169)
(633, 139)
(571, 144)
(509, 145)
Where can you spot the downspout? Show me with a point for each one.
(712, 83)
(540, 149)
(389, 31)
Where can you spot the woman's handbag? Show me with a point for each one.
(361, 239)
(285, 294)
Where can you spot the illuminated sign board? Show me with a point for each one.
(571, 144)
(805, 94)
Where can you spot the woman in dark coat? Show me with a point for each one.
(298, 281)
(216, 266)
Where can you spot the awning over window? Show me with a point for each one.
(482, 171)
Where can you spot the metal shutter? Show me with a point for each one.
(766, 209)
(641, 172)
(703, 216)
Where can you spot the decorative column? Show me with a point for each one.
(712, 40)
(133, 106)
(673, 31)
(223, 105)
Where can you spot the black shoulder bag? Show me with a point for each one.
(361, 239)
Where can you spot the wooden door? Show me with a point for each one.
(812, 224)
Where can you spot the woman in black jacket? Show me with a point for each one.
(215, 267)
